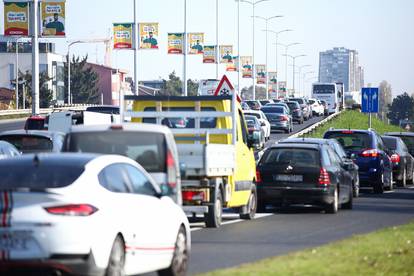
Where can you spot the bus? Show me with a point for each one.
(329, 93)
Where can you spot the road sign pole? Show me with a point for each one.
(370, 120)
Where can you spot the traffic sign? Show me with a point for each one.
(225, 88)
(370, 100)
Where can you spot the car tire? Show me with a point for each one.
(179, 262)
(214, 216)
(251, 206)
(116, 261)
(355, 189)
(403, 181)
(334, 206)
(379, 186)
(349, 205)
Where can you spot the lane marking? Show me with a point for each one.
(200, 225)
(389, 192)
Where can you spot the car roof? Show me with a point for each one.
(411, 134)
(253, 111)
(352, 130)
(22, 132)
(140, 127)
(295, 146)
(47, 159)
(318, 141)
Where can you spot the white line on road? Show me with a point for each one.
(231, 219)
(388, 192)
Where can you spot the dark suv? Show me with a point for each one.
(367, 149)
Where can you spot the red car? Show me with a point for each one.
(36, 122)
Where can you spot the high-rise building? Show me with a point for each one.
(341, 65)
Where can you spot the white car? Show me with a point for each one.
(317, 107)
(87, 214)
(262, 119)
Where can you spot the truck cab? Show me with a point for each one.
(217, 160)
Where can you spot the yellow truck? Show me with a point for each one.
(218, 168)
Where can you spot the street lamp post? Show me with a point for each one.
(276, 61)
(185, 51)
(303, 80)
(300, 71)
(35, 57)
(136, 86)
(17, 73)
(293, 71)
(287, 46)
(253, 3)
(266, 19)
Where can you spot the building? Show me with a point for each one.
(7, 98)
(341, 65)
(49, 62)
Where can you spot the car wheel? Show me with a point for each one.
(251, 206)
(116, 259)
(333, 207)
(379, 186)
(356, 189)
(214, 215)
(179, 263)
(403, 181)
(349, 205)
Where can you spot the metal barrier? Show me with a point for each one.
(45, 110)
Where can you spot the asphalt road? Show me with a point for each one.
(12, 124)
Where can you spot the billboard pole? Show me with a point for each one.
(185, 50)
(136, 89)
(35, 57)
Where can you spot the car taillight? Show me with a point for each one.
(296, 110)
(81, 210)
(370, 153)
(171, 171)
(284, 118)
(347, 132)
(193, 195)
(324, 178)
(250, 129)
(258, 177)
(395, 158)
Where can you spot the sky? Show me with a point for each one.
(382, 31)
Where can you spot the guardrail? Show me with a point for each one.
(45, 110)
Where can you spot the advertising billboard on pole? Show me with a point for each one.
(247, 67)
(195, 43)
(175, 43)
(209, 54)
(53, 18)
(16, 21)
(261, 73)
(123, 34)
(148, 35)
(226, 54)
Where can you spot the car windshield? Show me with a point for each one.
(273, 109)
(250, 123)
(409, 142)
(29, 143)
(148, 149)
(16, 175)
(351, 141)
(294, 156)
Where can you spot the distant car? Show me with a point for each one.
(280, 104)
(255, 105)
(245, 106)
(36, 122)
(256, 132)
(152, 146)
(278, 118)
(347, 163)
(34, 141)
(317, 108)
(367, 149)
(296, 112)
(7, 150)
(402, 161)
(265, 102)
(407, 137)
(83, 214)
(262, 119)
(304, 107)
(325, 107)
(303, 174)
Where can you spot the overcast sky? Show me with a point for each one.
(382, 31)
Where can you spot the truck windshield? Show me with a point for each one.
(183, 122)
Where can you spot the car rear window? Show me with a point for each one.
(29, 143)
(252, 114)
(15, 175)
(183, 122)
(409, 142)
(35, 124)
(148, 149)
(272, 109)
(390, 143)
(351, 141)
(300, 101)
(293, 105)
(294, 156)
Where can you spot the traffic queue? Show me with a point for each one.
(116, 198)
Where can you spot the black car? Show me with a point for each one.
(303, 174)
(296, 112)
(306, 110)
(350, 166)
(407, 137)
(402, 161)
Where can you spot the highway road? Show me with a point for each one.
(12, 124)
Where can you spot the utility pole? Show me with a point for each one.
(35, 57)
(136, 46)
(185, 93)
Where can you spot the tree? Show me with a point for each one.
(402, 108)
(45, 94)
(173, 86)
(83, 82)
(247, 93)
(385, 98)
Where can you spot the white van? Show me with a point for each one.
(64, 120)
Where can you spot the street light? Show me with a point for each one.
(293, 71)
(286, 51)
(277, 70)
(303, 79)
(300, 71)
(253, 3)
(266, 19)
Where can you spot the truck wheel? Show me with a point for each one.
(251, 206)
(214, 215)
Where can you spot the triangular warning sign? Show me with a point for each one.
(225, 88)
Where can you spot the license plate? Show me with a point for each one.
(288, 177)
(14, 240)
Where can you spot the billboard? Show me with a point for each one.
(282, 89)
(148, 35)
(233, 66)
(261, 73)
(123, 34)
(195, 43)
(272, 78)
(16, 21)
(209, 54)
(53, 18)
(247, 67)
(226, 54)
(175, 43)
